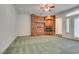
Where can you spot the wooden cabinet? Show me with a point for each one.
(43, 25)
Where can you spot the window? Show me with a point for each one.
(76, 26)
(67, 25)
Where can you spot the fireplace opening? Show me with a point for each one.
(48, 29)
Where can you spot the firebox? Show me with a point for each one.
(48, 29)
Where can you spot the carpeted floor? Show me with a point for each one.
(43, 45)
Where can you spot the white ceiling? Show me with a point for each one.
(35, 8)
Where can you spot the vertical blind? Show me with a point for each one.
(67, 25)
(76, 26)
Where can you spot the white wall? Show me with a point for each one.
(58, 25)
(23, 24)
(7, 26)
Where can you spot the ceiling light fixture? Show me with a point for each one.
(47, 7)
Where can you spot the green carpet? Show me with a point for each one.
(43, 45)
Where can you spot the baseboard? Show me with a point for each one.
(24, 36)
(59, 35)
(74, 39)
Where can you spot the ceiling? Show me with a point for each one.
(35, 8)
